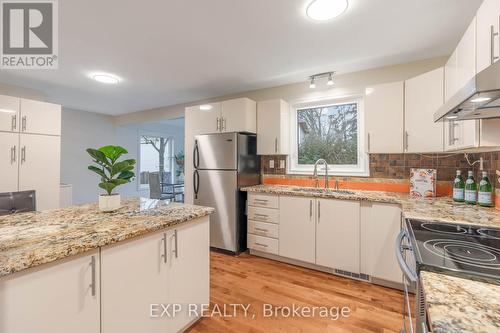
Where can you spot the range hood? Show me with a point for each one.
(478, 99)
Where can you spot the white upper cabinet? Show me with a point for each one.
(9, 156)
(40, 117)
(487, 32)
(273, 127)
(239, 115)
(203, 119)
(424, 94)
(466, 55)
(9, 114)
(450, 76)
(384, 118)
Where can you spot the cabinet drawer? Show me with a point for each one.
(264, 244)
(263, 214)
(263, 200)
(263, 229)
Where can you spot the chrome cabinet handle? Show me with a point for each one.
(14, 122)
(276, 145)
(218, 124)
(23, 154)
(23, 123)
(493, 34)
(259, 244)
(406, 140)
(319, 211)
(310, 209)
(368, 142)
(399, 248)
(92, 268)
(260, 229)
(176, 251)
(13, 155)
(223, 124)
(164, 241)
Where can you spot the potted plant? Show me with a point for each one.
(112, 172)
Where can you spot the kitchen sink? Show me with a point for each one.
(322, 190)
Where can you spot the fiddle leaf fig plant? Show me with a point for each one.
(113, 173)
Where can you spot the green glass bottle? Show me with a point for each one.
(470, 189)
(485, 195)
(458, 188)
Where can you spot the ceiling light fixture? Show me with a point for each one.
(313, 78)
(322, 10)
(330, 80)
(480, 99)
(206, 107)
(312, 85)
(8, 111)
(106, 78)
(451, 117)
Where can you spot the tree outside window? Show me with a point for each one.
(156, 155)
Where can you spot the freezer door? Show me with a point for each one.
(217, 189)
(216, 151)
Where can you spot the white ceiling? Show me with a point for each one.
(176, 51)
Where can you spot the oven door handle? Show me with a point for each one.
(410, 275)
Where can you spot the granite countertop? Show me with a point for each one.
(31, 239)
(441, 209)
(461, 305)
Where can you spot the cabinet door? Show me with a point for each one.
(134, 276)
(424, 94)
(9, 158)
(337, 234)
(54, 298)
(380, 225)
(39, 168)
(40, 117)
(488, 45)
(188, 270)
(239, 115)
(203, 119)
(451, 130)
(297, 228)
(466, 56)
(9, 113)
(468, 134)
(382, 103)
(273, 127)
(450, 76)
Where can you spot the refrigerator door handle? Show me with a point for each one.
(196, 155)
(196, 183)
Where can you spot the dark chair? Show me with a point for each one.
(17, 202)
(155, 187)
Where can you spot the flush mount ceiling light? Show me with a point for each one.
(322, 10)
(105, 78)
(206, 107)
(480, 99)
(313, 78)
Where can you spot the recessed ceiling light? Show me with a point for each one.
(7, 111)
(451, 117)
(480, 99)
(322, 10)
(106, 78)
(206, 107)
(330, 80)
(312, 85)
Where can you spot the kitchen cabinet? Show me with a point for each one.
(466, 55)
(170, 266)
(39, 168)
(337, 234)
(56, 298)
(487, 34)
(297, 232)
(203, 119)
(384, 118)
(9, 155)
(424, 94)
(40, 117)
(273, 127)
(239, 115)
(9, 114)
(451, 76)
(380, 225)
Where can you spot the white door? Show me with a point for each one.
(9, 158)
(380, 225)
(424, 94)
(488, 44)
(337, 234)
(133, 277)
(9, 113)
(188, 270)
(203, 119)
(40, 117)
(272, 127)
(54, 298)
(239, 115)
(39, 168)
(297, 228)
(384, 118)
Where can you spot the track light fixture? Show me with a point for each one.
(313, 78)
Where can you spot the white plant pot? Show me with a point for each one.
(109, 203)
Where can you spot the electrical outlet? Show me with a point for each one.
(282, 164)
(271, 164)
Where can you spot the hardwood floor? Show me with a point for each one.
(257, 281)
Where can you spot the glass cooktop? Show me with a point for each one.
(462, 249)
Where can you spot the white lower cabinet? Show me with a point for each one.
(337, 234)
(168, 267)
(380, 225)
(297, 231)
(56, 298)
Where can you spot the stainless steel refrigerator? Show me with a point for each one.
(223, 164)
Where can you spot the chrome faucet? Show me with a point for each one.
(315, 174)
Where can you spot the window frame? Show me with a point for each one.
(360, 170)
(140, 133)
